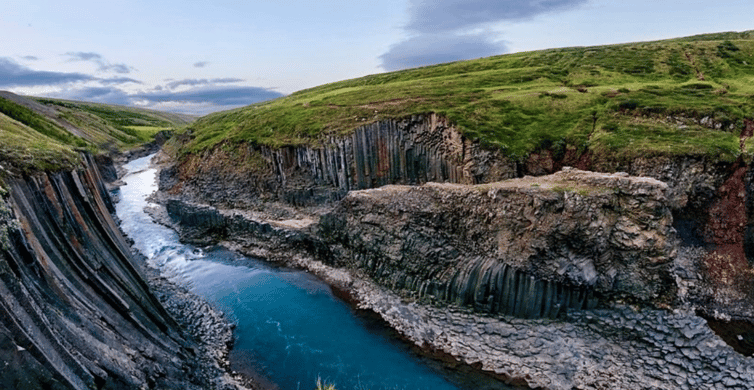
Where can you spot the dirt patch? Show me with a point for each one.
(699, 74)
(726, 265)
(727, 216)
(297, 224)
(585, 161)
(747, 133)
(541, 163)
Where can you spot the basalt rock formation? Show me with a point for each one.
(671, 233)
(77, 311)
(709, 200)
(528, 247)
(389, 244)
(409, 151)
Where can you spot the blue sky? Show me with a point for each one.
(199, 56)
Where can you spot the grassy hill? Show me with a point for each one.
(681, 96)
(40, 133)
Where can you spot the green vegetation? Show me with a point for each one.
(24, 147)
(115, 127)
(122, 116)
(620, 101)
(39, 123)
(50, 135)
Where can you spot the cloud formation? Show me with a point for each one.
(225, 96)
(453, 15)
(96, 58)
(447, 30)
(119, 80)
(82, 56)
(117, 68)
(190, 96)
(201, 64)
(14, 75)
(430, 49)
(106, 94)
(195, 101)
(195, 82)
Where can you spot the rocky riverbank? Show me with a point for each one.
(615, 347)
(212, 331)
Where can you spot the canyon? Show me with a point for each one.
(542, 275)
(557, 277)
(571, 218)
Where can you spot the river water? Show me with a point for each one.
(291, 329)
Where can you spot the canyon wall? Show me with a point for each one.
(77, 312)
(709, 199)
(483, 255)
(529, 247)
(491, 273)
(408, 151)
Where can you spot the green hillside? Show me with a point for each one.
(110, 126)
(40, 133)
(23, 147)
(614, 100)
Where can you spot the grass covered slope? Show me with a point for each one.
(682, 96)
(24, 148)
(46, 134)
(126, 125)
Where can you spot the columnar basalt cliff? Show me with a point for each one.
(506, 276)
(671, 233)
(529, 247)
(77, 312)
(711, 204)
(390, 244)
(409, 151)
(700, 190)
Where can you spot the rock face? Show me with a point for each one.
(77, 312)
(507, 256)
(606, 348)
(528, 247)
(409, 151)
(441, 243)
(271, 240)
(618, 348)
(710, 200)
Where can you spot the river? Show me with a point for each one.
(291, 328)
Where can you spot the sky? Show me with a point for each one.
(198, 57)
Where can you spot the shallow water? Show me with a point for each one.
(291, 329)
